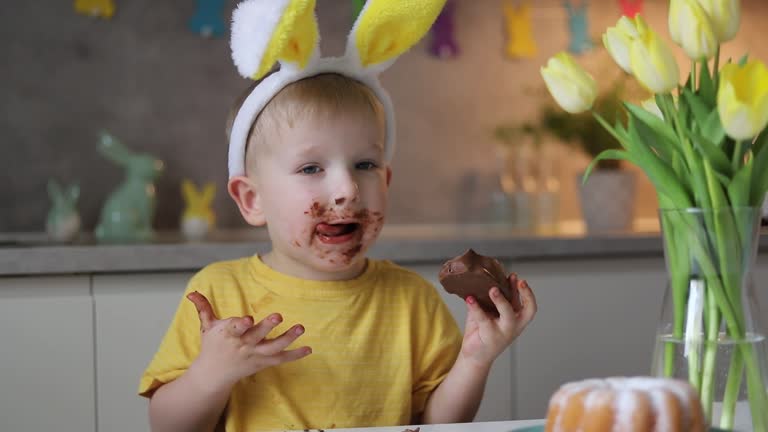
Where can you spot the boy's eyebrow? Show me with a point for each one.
(311, 148)
(307, 149)
(377, 146)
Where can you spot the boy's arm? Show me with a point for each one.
(458, 397)
(189, 403)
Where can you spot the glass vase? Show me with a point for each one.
(709, 332)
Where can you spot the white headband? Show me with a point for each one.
(268, 31)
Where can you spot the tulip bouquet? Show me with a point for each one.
(702, 144)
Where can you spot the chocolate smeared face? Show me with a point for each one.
(471, 274)
(340, 235)
(322, 185)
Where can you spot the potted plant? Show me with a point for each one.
(607, 200)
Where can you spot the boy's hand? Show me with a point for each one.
(234, 348)
(486, 336)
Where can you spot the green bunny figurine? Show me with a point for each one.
(129, 211)
(63, 221)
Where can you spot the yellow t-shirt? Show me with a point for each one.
(381, 343)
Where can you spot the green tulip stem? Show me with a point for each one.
(668, 109)
(710, 355)
(716, 68)
(733, 382)
(755, 389)
(693, 76)
(737, 158)
(679, 271)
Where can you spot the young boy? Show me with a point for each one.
(313, 334)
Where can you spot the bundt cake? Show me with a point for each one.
(636, 404)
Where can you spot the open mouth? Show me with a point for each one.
(336, 233)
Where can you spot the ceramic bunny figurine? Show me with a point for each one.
(208, 20)
(95, 8)
(63, 221)
(520, 30)
(443, 42)
(630, 8)
(128, 212)
(578, 26)
(198, 217)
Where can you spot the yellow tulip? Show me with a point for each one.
(742, 100)
(724, 16)
(570, 85)
(690, 27)
(618, 40)
(653, 63)
(675, 7)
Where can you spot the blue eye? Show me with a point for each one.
(367, 165)
(310, 169)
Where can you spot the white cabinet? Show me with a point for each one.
(498, 399)
(74, 347)
(596, 318)
(46, 354)
(133, 312)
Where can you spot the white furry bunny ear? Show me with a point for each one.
(267, 31)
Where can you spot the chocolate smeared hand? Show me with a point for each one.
(472, 274)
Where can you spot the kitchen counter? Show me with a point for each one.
(31, 254)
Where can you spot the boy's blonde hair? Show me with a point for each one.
(327, 93)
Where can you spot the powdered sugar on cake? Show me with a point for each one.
(631, 404)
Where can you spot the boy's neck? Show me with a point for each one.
(286, 265)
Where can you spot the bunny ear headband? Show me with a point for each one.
(268, 31)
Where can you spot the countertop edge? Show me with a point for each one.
(170, 257)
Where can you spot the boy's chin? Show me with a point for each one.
(341, 264)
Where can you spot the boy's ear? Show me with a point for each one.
(389, 174)
(245, 193)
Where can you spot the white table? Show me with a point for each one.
(501, 426)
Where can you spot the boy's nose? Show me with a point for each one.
(347, 191)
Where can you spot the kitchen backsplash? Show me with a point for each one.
(162, 89)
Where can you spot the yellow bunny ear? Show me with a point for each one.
(267, 31)
(209, 192)
(188, 190)
(385, 29)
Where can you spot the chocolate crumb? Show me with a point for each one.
(317, 210)
(352, 251)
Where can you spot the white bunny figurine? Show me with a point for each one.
(63, 221)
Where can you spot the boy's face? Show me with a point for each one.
(321, 188)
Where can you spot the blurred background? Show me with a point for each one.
(472, 141)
